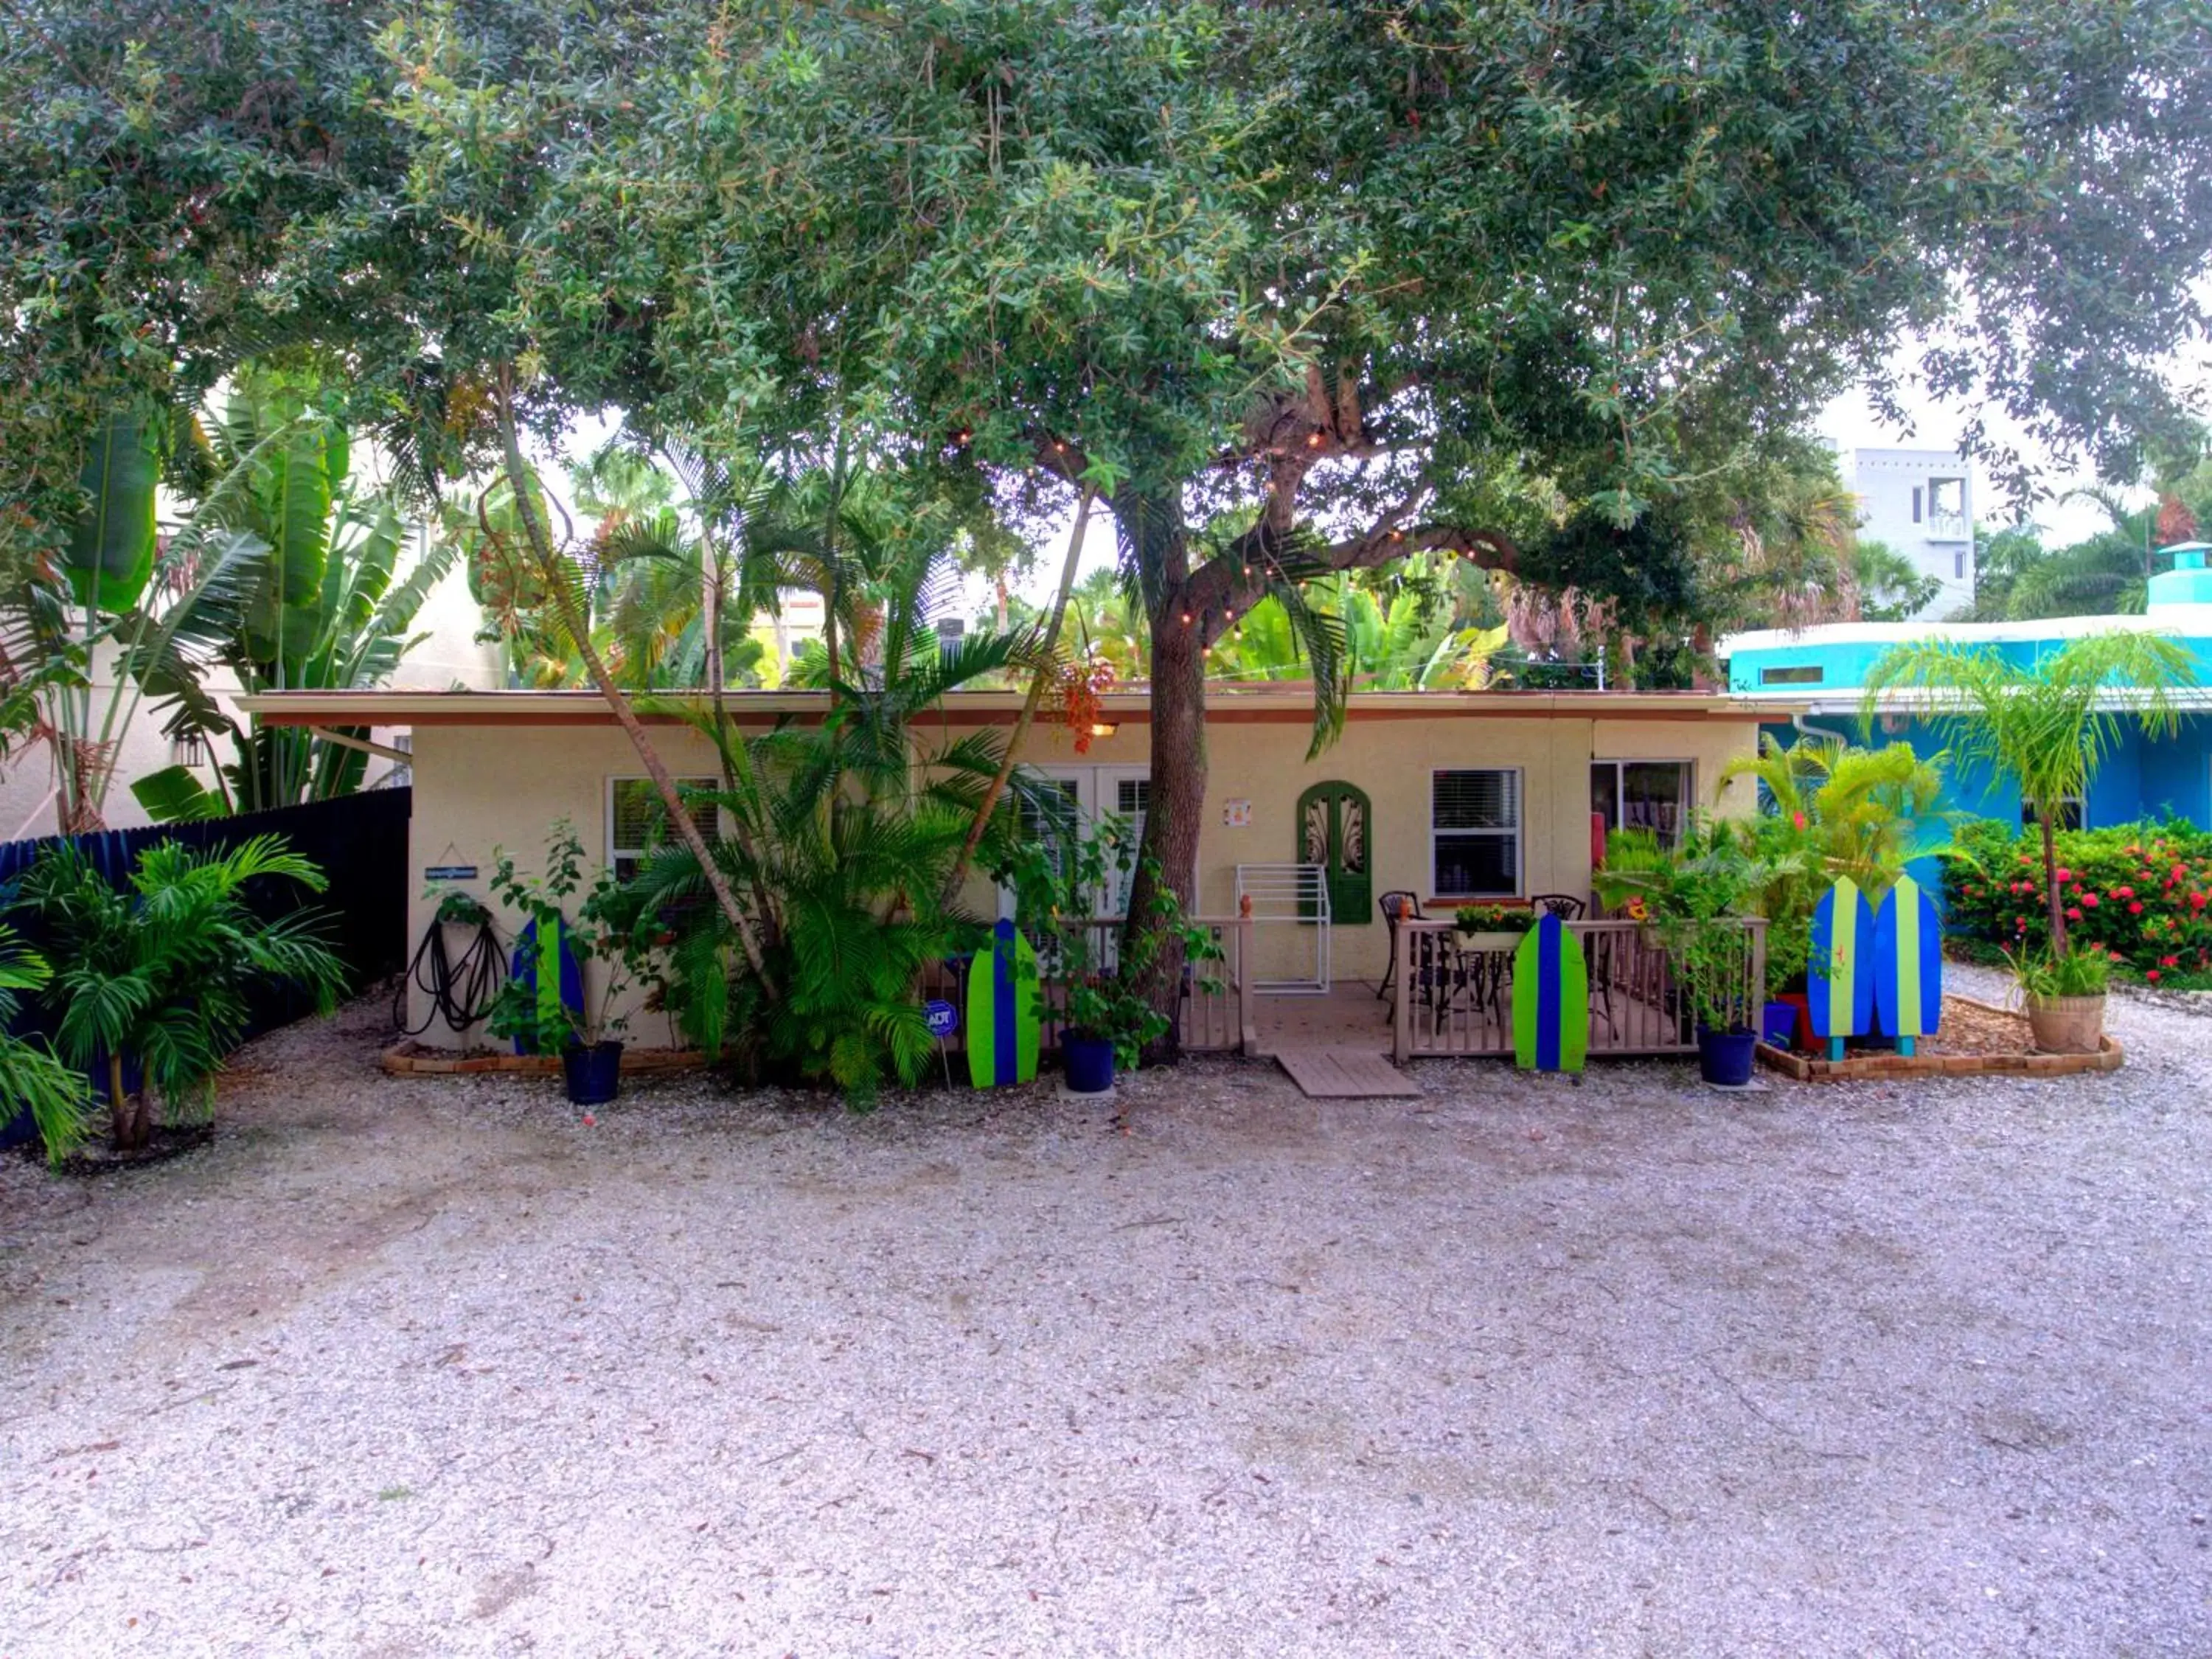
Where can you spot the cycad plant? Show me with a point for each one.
(157, 976)
(2050, 726)
(32, 1077)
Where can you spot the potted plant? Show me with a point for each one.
(156, 980)
(2064, 993)
(1493, 927)
(1694, 903)
(1101, 978)
(536, 1017)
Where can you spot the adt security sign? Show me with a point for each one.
(944, 1018)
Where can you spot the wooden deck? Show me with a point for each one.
(1327, 1074)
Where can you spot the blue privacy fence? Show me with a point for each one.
(359, 841)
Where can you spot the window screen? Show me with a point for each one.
(1475, 833)
(637, 822)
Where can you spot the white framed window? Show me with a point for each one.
(1657, 795)
(1474, 833)
(637, 822)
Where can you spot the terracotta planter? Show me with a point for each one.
(2067, 1025)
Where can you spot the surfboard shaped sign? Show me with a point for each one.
(1908, 964)
(1551, 999)
(548, 969)
(1839, 975)
(1003, 1036)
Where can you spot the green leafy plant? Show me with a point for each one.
(2050, 726)
(1695, 898)
(160, 973)
(1102, 984)
(1494, 918)
(2044, 974)
(31, 1075)
(603, 930)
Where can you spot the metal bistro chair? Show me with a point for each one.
(1567, 908)
(1396, 906)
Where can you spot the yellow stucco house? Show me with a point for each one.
(1452, 797)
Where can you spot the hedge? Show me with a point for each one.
(2139, 891)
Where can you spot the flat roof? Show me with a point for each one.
(587, 708)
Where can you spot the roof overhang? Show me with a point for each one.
(408, 709)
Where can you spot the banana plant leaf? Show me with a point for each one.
(111, 550)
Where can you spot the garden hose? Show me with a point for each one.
(460, 992)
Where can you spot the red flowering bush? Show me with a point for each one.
(2158, 877)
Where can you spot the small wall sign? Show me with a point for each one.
(943, 1017)
(1237, 814)
(450, 872)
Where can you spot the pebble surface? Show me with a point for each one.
(428, 1366)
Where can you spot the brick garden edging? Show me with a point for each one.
(413, 1060)
(1862, 1068)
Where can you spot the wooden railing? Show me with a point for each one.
(1451, 1001)
(1216, 1015)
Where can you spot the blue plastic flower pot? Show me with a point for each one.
(594, 1074)
(1778, 1023)
(1725, 1057)
(1090, 1062)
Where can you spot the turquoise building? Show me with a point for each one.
(1821, 672)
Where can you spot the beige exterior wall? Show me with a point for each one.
(478, 788)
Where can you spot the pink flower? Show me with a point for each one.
(2073, 913)
(1798, 820)
(2112, 955)
(2089, 899)
(2151, 974)
(2065, 874)
(2135, 910)
(2169, 962)
(2197, 901)
(2123, 892)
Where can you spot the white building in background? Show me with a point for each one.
(1920, 502)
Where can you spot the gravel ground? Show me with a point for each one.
(429, 1367)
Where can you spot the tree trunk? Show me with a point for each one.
(1150, 530)
(122, 1122)
(1023, 722)
(580, 634)
(2050, 882)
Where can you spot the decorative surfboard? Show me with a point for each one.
(548, 969)
(1839, 975)
(1908, 964)
(1002, 1011)
(1551, 999)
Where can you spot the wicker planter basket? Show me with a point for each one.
(2066, 1026)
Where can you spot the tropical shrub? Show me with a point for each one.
(157, 975)
(532, 1014)
(31, 1075)
(2139, 894)
(1693, 897)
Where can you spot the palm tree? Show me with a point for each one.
(32, 1077)
(160, 973)
(2049, 727)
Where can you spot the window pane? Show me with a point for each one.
(638, 819)
(1473, 866)
(1605, 792)
(1476, 801)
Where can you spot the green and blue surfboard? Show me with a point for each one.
(1551, 999)
(1839, 976)
(546, 965)
(1003, 1036)
(1908, 964)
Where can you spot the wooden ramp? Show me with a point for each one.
(1338, 1072)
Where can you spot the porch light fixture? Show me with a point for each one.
(1105, 728)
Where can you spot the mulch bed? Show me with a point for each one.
(1976, 1039)
(97, 1157)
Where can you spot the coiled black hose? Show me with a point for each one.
(460, 992)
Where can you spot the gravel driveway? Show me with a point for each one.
(429, 1367)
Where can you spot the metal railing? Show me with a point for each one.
(1215, 1014)
(1454, 1001)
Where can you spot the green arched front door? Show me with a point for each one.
(1336, 831)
